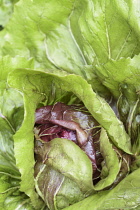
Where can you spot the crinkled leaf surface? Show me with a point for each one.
(124, 196)
(4, 185)
(17, 202)
(112, 163)
(122, 79)
(6, 10)
(11, 113)
(69, 35)
(97, 31)
(10, 196)
(124, 72)
(11, 116)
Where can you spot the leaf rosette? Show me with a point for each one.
(64, 168)
(81, 38)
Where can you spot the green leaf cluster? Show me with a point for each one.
(75, 52)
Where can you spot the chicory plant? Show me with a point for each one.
(71, 52)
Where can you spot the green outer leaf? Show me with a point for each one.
(11, 109)
(111, 162)
(122, 79)
(17, 202)
(124, 196)
(24, 150)
(34, 29)
(7, 159)
(11, 113)
(10, 196)
(90, 203)
(69, 34)
(130, 9)
(8, 120)
(8, 64)
(6, 10)
(3, 187)
(97, 30)
(115, 74)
